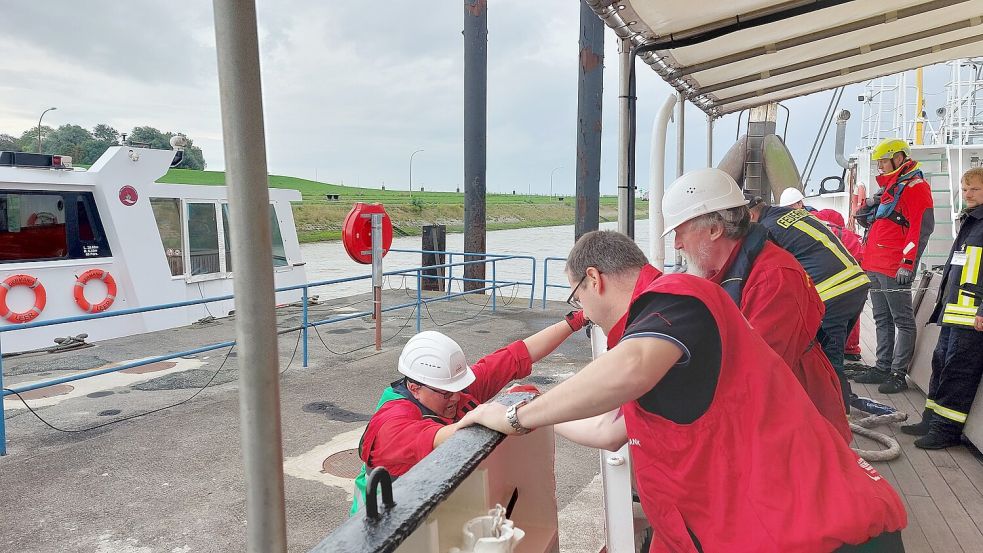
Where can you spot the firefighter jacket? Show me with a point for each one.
(901, 223)
(741, 478)
(960, 293)
(826, 260)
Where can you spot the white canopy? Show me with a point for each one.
(726, 56)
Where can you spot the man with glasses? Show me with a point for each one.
(728, 452)
(423, 408)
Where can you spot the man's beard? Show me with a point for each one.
(698, 262)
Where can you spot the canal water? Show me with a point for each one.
(328, 260)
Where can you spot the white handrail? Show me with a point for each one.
(657, 183)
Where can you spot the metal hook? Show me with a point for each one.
(378, 476)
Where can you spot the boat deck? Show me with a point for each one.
(942, 490)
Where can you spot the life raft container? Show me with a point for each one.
(40, 298)
(80, 290)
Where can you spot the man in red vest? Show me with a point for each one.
(728, 452)
(771, 288)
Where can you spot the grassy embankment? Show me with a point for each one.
(320, 219)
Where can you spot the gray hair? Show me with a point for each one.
(606, 250)
(735, 221)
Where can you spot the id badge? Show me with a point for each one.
(959, 258)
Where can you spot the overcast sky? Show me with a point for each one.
(351, 89)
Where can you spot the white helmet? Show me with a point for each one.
(790, 196)
(698, 193)
(434, 359)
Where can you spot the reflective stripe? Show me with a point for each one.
(949, 413)
(852, 284)
(962, 320)
(960, 310)
(963, 311)
(930, 404)
(838, 278)
(824, 240)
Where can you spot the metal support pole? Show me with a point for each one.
(243, 133)
(709, 141)
(305, 329)
(475, 136)
(419, 298)
(590, 89)
(680, 134)
(494, 289)
(377, 277)
(626, 192)
(3, 424)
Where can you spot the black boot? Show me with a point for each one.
(920, 428)
(894, 384)
(873, 376)
(943, 433)
(855, 357)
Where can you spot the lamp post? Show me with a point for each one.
(551, 179)
(39, 125)
(411, 169)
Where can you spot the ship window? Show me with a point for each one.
(90, 239)
(279, 253)
(32, 226)
(203, 239)
(167, 212)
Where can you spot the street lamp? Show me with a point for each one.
(411, 169)
(39, 126)
(551, 179)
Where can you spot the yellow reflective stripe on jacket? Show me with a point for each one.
(930, 404)
(837, 278)
(824, 240)
(963, 312)
(845, 287)
(949, 413)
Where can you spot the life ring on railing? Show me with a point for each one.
(80, 290)
(859, 199)
(40, 298)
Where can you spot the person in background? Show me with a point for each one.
(793, 198)
(899, 219)
(957, 362)
(850, 239)
(711, 414)
(422, 409)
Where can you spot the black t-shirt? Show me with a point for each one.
(685, 392)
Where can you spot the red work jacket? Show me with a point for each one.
(398, 435)
(889, 245)
(783, 307)
(761, 471)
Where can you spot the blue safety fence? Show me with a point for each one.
(493, 284)
(546, 274)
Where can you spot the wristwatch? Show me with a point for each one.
(512, 416)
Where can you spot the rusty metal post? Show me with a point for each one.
(590, 87)
(475, 135)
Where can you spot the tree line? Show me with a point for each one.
(86, 146)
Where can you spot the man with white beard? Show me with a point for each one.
(714, 231)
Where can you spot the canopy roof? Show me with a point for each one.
(726, 56)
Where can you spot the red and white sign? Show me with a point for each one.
(128, 195)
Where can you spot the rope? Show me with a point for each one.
(862, 427)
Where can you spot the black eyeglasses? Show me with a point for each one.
(575, 302)
(442, 393)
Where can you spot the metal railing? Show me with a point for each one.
(546, 280)
(493, 285)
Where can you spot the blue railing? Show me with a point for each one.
(546, 280)
(420, 301)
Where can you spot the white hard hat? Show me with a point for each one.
(790, 196)
(698, 193)
(434, 359)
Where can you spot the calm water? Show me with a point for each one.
(328, 260)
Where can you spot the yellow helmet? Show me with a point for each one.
(888, 147)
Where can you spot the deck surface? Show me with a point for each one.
(942, 490)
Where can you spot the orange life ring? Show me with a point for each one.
(80, 290)
(40, 298)
(859, 198)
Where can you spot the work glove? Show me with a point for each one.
(905, 276)
(519, 388)
(576, 320)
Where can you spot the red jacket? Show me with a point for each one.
(889, 245)
(849, 238)
(782, 305)
(398, 436)
(761, 470)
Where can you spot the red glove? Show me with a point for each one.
(524, 388)
(576, 320)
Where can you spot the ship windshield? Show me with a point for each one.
(42, 226)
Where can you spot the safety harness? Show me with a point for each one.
(887, 208)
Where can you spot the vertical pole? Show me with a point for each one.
(494, 289)
(590, 88)
(450, 273)
(3, 424)
(240, 94)
(919, 104)
(680, 134)
(709, 141)
(475, 135)
(377, 277)
(306, 322)
(626, 216)
(419, 298)
(546, 270)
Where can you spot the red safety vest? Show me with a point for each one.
(761, 470)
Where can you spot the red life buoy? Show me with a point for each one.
(80, 290)
(40, 298)
(356, 232)
(859, 198)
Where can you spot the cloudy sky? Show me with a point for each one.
(351, 89)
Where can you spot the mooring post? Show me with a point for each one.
(475, 138)
(590, 89)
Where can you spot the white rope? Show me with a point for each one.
(862, 427)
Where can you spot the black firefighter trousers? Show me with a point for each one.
(957, 365)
